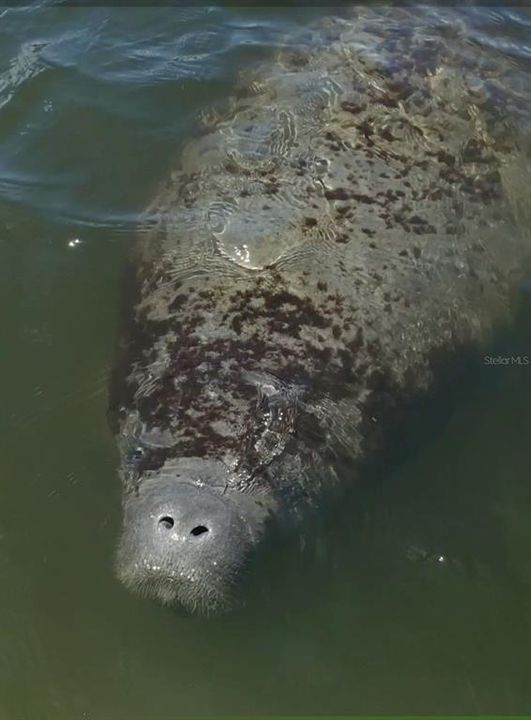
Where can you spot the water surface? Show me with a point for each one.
(414, 597)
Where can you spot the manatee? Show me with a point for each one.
(346, 224)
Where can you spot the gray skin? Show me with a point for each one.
(342, 228)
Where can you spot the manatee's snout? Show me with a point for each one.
(186, 544)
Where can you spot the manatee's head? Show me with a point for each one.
(187, 534)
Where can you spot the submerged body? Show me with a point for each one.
(343, 226)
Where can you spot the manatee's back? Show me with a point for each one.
(373, 161)
(357, 210)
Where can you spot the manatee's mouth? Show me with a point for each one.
(169, 586)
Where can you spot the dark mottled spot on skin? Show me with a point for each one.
(473, 151)
(196, 320)
(177, 301)
(352, 107)
(416, 252)
(336, 331)
(322, 286)
(387, 101)
(365, 199)
(310, 222)
(272, 188)
(386, 134)
(400, 88)
(324, 355)
(297, 59)
(337, 194)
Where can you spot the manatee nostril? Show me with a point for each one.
(198, 530)
(167, 522)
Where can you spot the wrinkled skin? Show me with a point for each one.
(343, 226)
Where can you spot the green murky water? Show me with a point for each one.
(414, 597)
